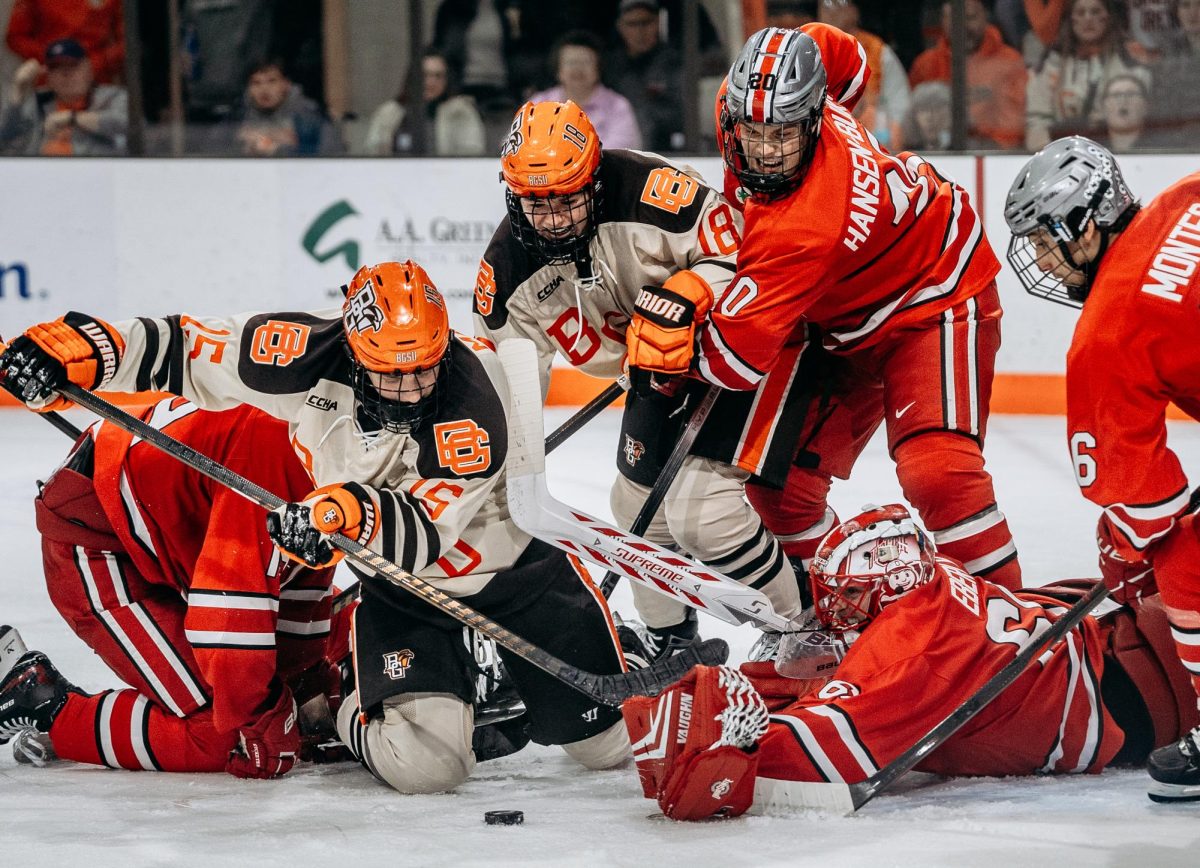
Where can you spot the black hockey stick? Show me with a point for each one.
(556, 438)
(666, 476)
(848, 798)
(607, 689)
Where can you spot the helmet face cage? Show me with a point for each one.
(1023, 257)
(771, 111)
(866, 564)
(580, 219)
(1070, 183)
(393, 414)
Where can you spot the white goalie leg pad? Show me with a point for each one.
(421, 743)
(603, 750)
(656, 610)
(708, 516)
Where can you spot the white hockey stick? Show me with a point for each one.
(537, 513)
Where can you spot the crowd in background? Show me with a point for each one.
(1124, 72)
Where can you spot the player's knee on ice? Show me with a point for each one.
(603, 750)
(420, 744)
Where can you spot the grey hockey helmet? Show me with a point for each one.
(770, 110)
(1065, 185)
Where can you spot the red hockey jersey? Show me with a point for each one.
(1133, 353)
(250, 616)
(919, 660)
(868, 244)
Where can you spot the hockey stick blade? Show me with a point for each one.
(848, 798)
(604, 689)
(536, 512)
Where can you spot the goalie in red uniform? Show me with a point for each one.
(172, 580)
(1081, 239)
(929, 635)
(884, 263)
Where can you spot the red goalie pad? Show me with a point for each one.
(694, 743)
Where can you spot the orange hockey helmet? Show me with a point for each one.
(397, 334)
(550, 165)
(866, 563)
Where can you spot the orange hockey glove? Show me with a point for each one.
(301, 530)
(75, 349)
(661, 335)
(1129, 581)
(267, 747)
(694, 744)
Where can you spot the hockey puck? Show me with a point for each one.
(504, 818)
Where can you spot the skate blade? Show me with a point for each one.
(1166, 793)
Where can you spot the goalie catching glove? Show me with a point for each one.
(694, 744)
(661, 335)
(75, 349)
(302, 530)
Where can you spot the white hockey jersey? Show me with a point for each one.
(441, 490)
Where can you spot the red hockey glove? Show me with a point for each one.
(661, 334)
(693, 743)
(75, 349)
(267, 747)
(301, 530)
(1128, 581)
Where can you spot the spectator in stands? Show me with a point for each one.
(1175, 121)
(885, 103)
(926, 127)
(576, 60)
(995, 78)
(647, 72)
(97, 25)
(1065, 90)
(72, 116)
(277, 119)
(454, 126)
(1124, 102)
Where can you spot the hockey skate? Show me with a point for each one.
(1175, 770)
(32, 691)
(662, 642)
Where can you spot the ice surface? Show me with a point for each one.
(317, 816)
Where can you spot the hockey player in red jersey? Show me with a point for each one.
(929, 634)
(402, 425)
(1081, 239)
(884, 263)
(172, 580)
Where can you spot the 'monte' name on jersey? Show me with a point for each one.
(864, 199)
(1175, 262)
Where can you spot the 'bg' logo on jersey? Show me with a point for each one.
(634, 450)
(362, 313)
(462, 446)
(396, 663)
(278, 343)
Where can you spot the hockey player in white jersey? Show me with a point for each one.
(402, 425)
(593, 236)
